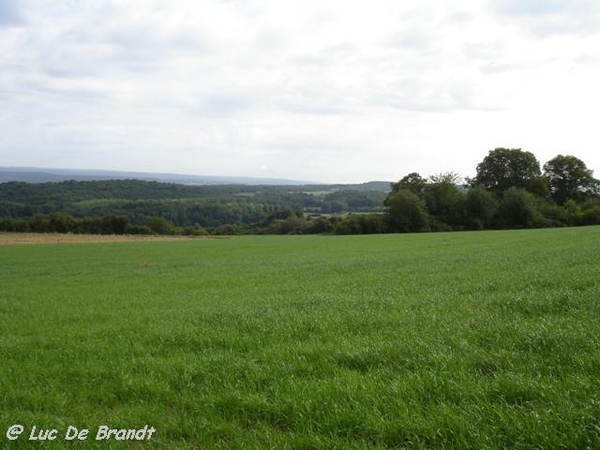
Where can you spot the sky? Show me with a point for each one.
(314, 90)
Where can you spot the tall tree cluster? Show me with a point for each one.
(510, 190)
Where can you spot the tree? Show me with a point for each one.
(504, 168)
(406, 212)
(569, 178)
(517, 209)
(412, 182)
(481, 206)
(445, 201)
(446, 178)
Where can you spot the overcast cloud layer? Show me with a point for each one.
(331, 91)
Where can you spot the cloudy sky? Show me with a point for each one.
(317, 90)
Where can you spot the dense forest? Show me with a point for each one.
(510, 190)
(136, 206)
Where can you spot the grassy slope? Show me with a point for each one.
(462, 340)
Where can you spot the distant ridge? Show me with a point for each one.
(44, 175)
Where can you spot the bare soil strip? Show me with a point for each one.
(56, 238)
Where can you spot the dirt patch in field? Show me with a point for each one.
(48, 238)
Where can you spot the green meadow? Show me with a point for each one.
(473, 340)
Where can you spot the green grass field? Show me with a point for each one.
(480, 340)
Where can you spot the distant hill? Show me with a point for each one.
(47, 175)
(44, 175)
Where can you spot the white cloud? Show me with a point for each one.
(333, 91)
(546, 18)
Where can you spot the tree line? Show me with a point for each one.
(510, 190)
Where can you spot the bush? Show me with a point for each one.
(406, 212)
(140, 230)
(226, 230)
(194, 231)
(590, 216)
(323, 225)
(517, 209)
(480, 207)
(160, 225)
(361, 224)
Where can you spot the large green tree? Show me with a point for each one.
(412, 182)
(504, 168)
(569, 178)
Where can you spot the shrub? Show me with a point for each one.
(406, 212)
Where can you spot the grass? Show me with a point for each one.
(483, 340)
